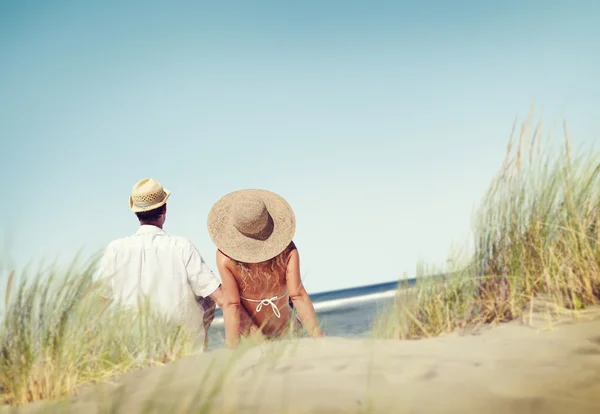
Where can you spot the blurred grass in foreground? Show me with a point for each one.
(535, 242)
(57, 334)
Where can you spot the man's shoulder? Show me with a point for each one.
(114, 244)
(118, 242)
(180, 241)
(183, 244)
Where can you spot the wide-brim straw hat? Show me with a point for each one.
(147, 194)
(251, 226)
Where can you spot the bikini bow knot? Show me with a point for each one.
(269, 302)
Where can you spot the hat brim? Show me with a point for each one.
(137, 209)
(243, 248)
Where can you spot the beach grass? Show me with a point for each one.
(536, 244)
(57, 334)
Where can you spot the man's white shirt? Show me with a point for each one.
(166, 270)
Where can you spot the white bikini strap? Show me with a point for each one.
(271, 302)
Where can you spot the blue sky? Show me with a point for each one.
(382, 123)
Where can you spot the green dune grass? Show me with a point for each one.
(536, 241)
(57, 334)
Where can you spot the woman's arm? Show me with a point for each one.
(231, 303)
(247, 325)
(300, 298)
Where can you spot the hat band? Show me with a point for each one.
(262, 234)
(146, 203)
(156, 198)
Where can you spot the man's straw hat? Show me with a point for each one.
(251, 226)
(147, 194)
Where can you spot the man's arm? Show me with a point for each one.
(300, 298)
(201, 279)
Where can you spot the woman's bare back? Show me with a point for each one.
(263, 291)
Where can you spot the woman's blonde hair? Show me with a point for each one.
(266, 272)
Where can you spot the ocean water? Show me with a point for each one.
(345, 313)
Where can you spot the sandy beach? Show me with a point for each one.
(511, 368)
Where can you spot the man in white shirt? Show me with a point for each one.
(165, 270)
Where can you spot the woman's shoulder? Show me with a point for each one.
(290, 250)
(223, 259)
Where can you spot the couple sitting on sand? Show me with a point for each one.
(260, 286)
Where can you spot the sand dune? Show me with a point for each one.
(508, 369)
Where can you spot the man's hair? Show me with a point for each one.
(152, 215)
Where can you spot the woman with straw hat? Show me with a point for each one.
(259, 263)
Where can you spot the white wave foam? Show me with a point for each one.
(217, 321)
(354, 299)
(336, 303)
